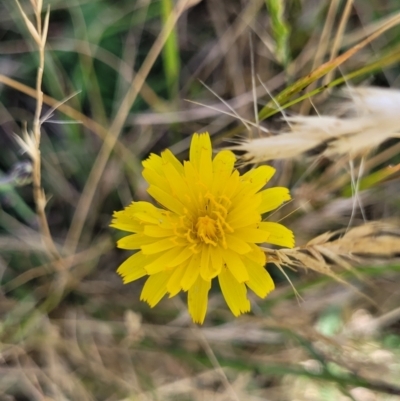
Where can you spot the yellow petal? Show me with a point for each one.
(195, 151)
(134, 241)
(235, 293)
(235, 265)
(159, 262)
(246, 201)
(170, 168)
(216, 259)
(166, 220)
(145, 217)
(206, 270)
(223, 164)
(260, 282)
(146, 212)
(236, 244)
(259, 176)
(206, 173)
(125, 220)
(168, 156)
(135, 274)
(194, 187)
(156, 231)
(183, 256)
(200, 144)
(198, 299)
(179, 188)
(133, 267)
(174, 282)
(232, 185)
(153, 162)
(158, 246)
(155, 288)
(126, 224)
(166, 199)
(243, 218)
(153, 172)
(257, 255)
(201, 155)
(153, 178)
(279, 234)
(252, 234)
(272, 198)
(192, 272)
(144, 207)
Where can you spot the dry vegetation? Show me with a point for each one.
(115, 76)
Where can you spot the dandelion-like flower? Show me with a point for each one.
(209, 226)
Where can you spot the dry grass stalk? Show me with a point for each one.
(322, 48)
(371, 118)
(63, 359)
(74, 114)
(115, 129)
(322, 254)
(30, 142)
(338, 37)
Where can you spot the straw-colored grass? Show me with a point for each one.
(90, 88)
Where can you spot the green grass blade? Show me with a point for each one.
(170, 52)
(372, 179)
(280, 30)
(16, 202)
(302, 83)
(270, 109)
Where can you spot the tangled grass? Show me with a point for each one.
(89, 89)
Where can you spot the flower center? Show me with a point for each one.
(207, 230)
(211, 227)
(207, 225)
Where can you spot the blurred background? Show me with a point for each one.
(123, 79)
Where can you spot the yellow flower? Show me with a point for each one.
(209, 226)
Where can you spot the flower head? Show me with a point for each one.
(209, 226)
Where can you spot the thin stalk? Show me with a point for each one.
(39, 35)
(115, 129)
